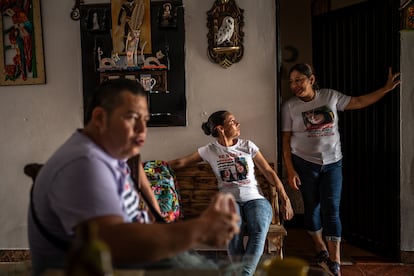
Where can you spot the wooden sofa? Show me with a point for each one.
(197, 184)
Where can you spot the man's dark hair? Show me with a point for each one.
(107, 95)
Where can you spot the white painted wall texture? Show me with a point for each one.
(407, 140)
(36, 119)
(246, 88)
(294, 35)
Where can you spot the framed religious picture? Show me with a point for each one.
(167, 16)
(131, 26)
(21, 43)
(407, 15)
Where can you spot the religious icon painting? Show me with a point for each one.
(131, 26)
(21, 43)
(167, 16)
(407, 15)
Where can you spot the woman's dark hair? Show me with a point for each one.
(107, 95)
(215, 119)
(306, 70)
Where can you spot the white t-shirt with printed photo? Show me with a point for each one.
(234, 168)
(314, 126)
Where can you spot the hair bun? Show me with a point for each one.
(206, 128)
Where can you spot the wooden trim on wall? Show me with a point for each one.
(15, 255)
(407, 257)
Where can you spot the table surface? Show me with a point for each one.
(140, 272)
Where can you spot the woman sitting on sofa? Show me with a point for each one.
(225, 155)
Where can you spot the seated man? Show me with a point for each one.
(87, 180)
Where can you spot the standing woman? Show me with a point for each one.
(313, 157)
(224, 155)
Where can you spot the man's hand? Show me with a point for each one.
(220, 220)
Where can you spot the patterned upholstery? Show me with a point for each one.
(164, 184)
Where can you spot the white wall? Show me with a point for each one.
(246, 88)
(36, 119)
(407, 138)
(297, 35)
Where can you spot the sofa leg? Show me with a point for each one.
(275, 244)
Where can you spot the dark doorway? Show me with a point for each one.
(352, 50)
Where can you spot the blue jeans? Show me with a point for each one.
(321, 192)
(255, 218)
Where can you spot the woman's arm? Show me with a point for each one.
(185, 161)
(292, 176)
(271, 176)
(368, 99)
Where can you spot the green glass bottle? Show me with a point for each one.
(88, 254)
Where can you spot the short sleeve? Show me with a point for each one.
(342, 100)
(87, 188)
(286, 118)
(253, 149)
(203, 152)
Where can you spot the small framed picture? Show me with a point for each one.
(21, 43)
(167, 17)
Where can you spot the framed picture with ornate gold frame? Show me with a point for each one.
(225, 35)
(21, 43)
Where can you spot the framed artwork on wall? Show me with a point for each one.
(225, 21)
(21, 43)
(131, 20)
(163, 70)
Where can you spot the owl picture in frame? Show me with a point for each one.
(225, 35)
(225, 32)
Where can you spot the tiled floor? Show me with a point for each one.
(15, 268)
(355, 261)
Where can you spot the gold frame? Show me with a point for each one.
(10, 50)
(407, 15)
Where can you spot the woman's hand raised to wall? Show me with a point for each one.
(392, 80)
(371, 98)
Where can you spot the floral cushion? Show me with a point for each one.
(164, 185)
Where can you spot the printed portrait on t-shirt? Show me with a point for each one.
(227, 175)
(319, 121)
(241, 168)
(233, 169)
